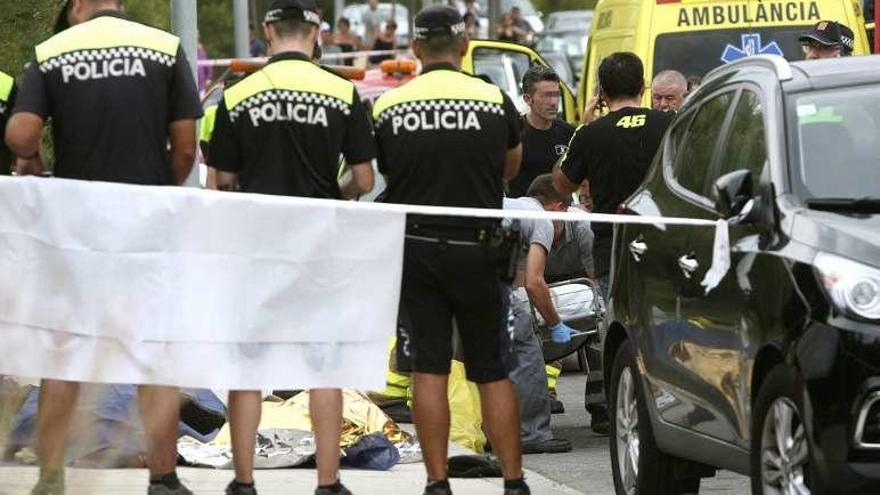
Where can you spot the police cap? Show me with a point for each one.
(437, 20)
(283, 10)
(830, 33)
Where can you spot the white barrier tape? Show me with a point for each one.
(118, 283)
(721, 251)
(225, 62)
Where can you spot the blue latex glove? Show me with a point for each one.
(561, 333)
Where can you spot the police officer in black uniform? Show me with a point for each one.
(114, 110)
(449, 139)
(281, 131)
(7, 101)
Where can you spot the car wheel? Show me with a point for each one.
(638, 466)
(780, 453)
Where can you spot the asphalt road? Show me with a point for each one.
(587, 468)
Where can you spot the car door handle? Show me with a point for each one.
(688, 265)
(638, 248)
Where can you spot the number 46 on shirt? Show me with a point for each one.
(631, 121)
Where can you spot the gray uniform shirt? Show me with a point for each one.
(530, 231)
(572, 256)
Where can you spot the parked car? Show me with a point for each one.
(572, 43)
(569, 20)
(355, 13)
(774, 373)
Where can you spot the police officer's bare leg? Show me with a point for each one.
(56, 407)
(325, 407)
(431, 416)
(245, 409)
(160, 410)
(501, 419)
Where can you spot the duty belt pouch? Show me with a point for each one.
(504, 250)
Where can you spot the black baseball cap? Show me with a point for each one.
(438, 20)
(830, 33)
(282, 10)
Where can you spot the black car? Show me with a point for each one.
(774, 373)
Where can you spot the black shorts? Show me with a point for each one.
(446, 281)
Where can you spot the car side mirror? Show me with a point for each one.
(733, 193)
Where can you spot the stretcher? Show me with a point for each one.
(580, 305)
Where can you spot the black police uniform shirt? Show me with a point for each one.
(282, 129)
(111, 87)
(443, 139)
(7, 100)
(542, 148)
(614, 153)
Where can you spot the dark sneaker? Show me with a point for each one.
(438, 489)
(326, 491)
(552, 446)
(157, 489)
(234, 488)
(517, 491)
(556, 406)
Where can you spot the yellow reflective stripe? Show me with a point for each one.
(107, 32)
(439, 85)
(291, 75)
(208, 122)
(6, 84)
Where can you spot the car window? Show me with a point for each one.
(694, 157)
(745, 148)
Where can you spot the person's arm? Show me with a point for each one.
(23, 135)
(357, 180)
(184, 109)
(182, 136)
(572, 170)
(359, 149)
(513, 157)
(226, 181)
(536, 286)
(224, 152)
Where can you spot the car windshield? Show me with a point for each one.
(834, 142)
(572, 44)
(696, 53)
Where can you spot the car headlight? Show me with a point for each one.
(853, 287)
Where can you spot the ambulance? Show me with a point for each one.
(695, 36)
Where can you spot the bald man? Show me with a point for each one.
(668, 91)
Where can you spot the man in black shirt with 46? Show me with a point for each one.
(544, 137)
(614, 151)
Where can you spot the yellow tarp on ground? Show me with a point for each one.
(360, 417)
(466, 418)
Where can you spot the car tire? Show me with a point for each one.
(654, 473)
(778, 420)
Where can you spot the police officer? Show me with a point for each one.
(449, 139)
(7, 101)
(114, 109)
(827, 39)
(281, 131)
